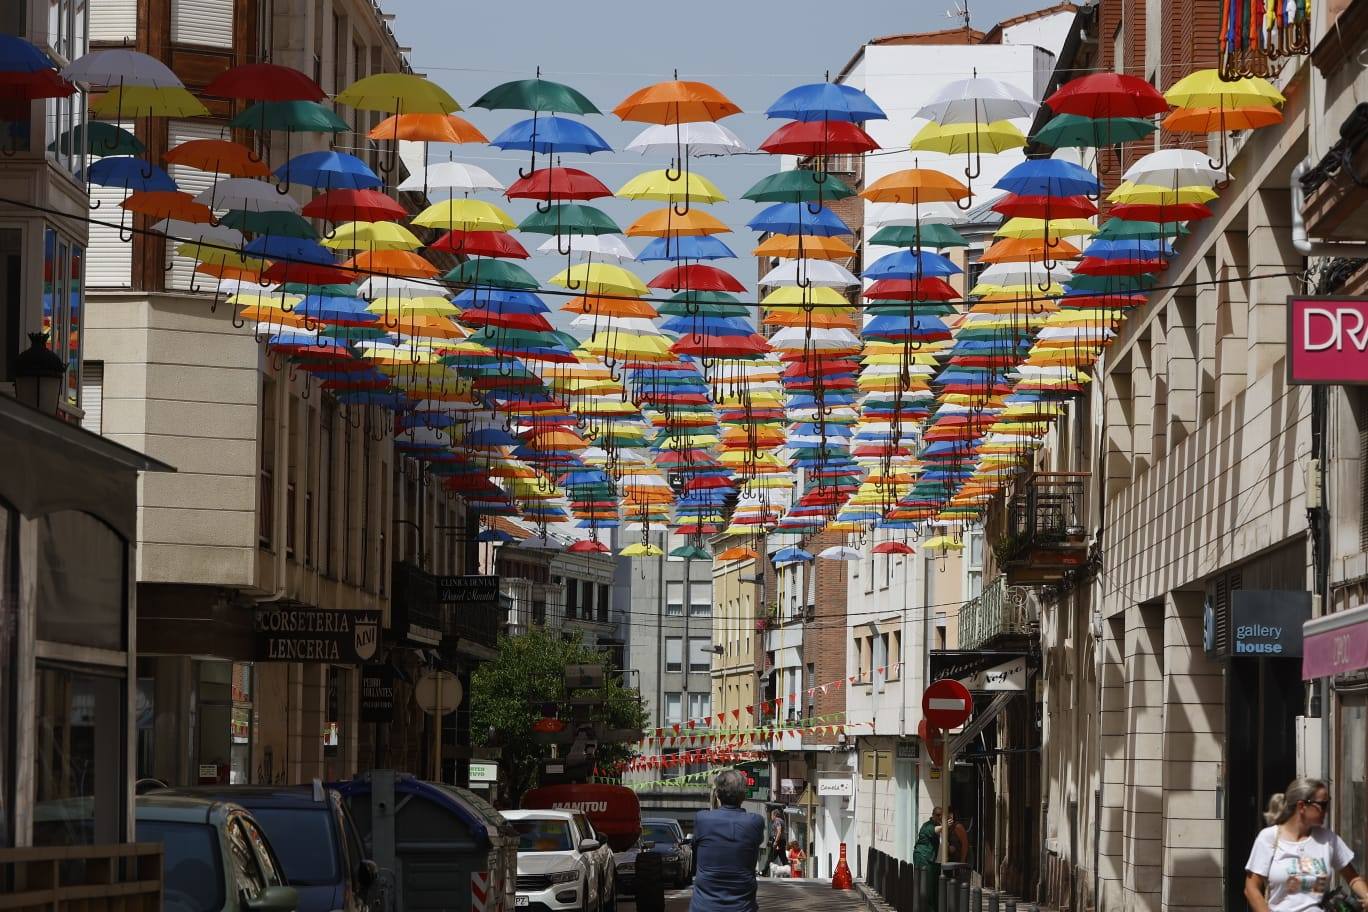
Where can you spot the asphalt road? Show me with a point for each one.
(779, 896)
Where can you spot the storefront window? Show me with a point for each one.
(1351, 805)
(63, 272)
(241, 732)
(217, 683)
(9, 619)
(79, 756)
(82, 582)
(66, 40)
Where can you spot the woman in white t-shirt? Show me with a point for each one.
(1293, 861)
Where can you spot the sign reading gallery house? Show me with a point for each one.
(316, 635)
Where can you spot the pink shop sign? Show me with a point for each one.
(1327, 340)
(1335, 644)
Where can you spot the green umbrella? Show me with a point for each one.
(351, 334)
(938, 308)
(691, 552)
(100, 138)
(1126, 230)
(684, 309)
(931, 235)
(536, 95)
(1086, 132)
(492, 273)
(289, 116)
(1101, 284)
(570, 218)
(338, 291)
(279, 224)
(797, 186)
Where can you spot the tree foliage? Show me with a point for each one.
(507, 695)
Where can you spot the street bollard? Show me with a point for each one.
(1009, 906)
(992, 900)
(975, 899)
(943, 892)
(962, 904)
(650, 882)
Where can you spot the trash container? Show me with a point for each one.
(650, 881)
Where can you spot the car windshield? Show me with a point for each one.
(658, 833)
(543, 835)
(192, 864)
(303, 841)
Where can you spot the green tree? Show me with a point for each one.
(507, 694)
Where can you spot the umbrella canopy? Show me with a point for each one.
(333, 170)
(447, 128)
(218, 156)
(659, 186)
(451, 177)
(826, 101)
(112, 67)
(839, 553)
(548, 135)
(791, 556)
(289, 117)
(396, 93)
(129, 173)
(1077, 131)
(559, 184)
(978, 99)
(354, 206)
(264, 82)
(819, 137)
(676, 102)
(699, 138)
(1104, 95)
(536, 95)
(98, 137)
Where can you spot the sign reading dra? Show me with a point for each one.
(1327, 340)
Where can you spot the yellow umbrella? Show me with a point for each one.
(793, 296)
(372, 236)
(943, 542)
(1206, 89)
(600, 279)
(1022, 228)
(133, 101)
(658, 186)
(418, 307)
(1156, 195)
(397, 93)
(218, 256)
(968, 138)
(464, 215)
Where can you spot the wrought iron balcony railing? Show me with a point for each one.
(1001, 611)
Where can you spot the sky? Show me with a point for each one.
(752, 50)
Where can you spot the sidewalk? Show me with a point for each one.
(785, 895)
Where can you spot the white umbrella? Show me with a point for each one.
(978, 99)
(702, 138)
(600, 246)
(1024, 274)
(797, 338)
(823, 273)
(879, 215)
(455, 177)
(246, 194)
(840, 553)
(217, 235)
(120, 67)
(398, 287)
(1175, 168)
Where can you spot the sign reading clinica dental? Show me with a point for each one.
(1263, 623)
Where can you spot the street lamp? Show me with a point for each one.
(38, 375)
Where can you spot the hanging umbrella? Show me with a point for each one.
(893, 547)
(27, 74)
(451, 177)
(1078, 131)
(264, 82)
(128, 173)
(791, 556)
(839, 553)
(737, 553)
(820, 138)
(668, 222)
(480, 243)
(354, 206)
(168, 204)
(698, 138)
(557, 184)
(547, 136)
(246, 194)
(217, 156)
(641, 549)
(98, 138)
(1175, 168)
(465, 214)
(1107, 95)
(536, 95)
(397, 93)
(658, 186)
(601, 246)
(826, 101)
(134, 101)
(329, 170)
(427, 128)
(113, 67)
(289, 117)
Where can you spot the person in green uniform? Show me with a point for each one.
(925, 853)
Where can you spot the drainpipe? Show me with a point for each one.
(1301, 242)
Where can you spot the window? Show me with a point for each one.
(700, 654)
(894, 654)
(605, 592)
(1352, 801)
(339, 67)
(9, 624)
(674, 599)
(811, 688)
(674, 654)
(12, 340)
(700, 706)
(80, 591)
(66, 117)
(674, 708)
(572, 588)
(266, 505)
(865, 650)
(78, 760)
(700, 599)
(348, 495)
(63, 266)
(973, 582)
(367, 552)
(328, 484)
(244, 859)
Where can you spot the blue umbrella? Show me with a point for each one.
(826, 101)
(1049, 177)
(791, 556)
(911, 264)
(129, 173)
(686, 247)
(494, 535)
(290, 250)
(797, 218)
(20, 56)
(508, 301)
(330, 170)
(334, 309)
(548, 135)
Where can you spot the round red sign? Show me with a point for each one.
(947, 704)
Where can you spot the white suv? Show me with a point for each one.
(558, 868)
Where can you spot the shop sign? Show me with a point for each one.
(484, 771)
(842, 786)
(316, 635)
(1262, 623)
(1327, 340)
(1336, 644)
(468, 590)
(1009, 676)
(377, 693)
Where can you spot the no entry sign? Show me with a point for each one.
(947, 704)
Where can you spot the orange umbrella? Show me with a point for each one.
(224, 271)
(786, 247)
(610, 306)
(916, 185)
(393, 263)
(666, 222)
(738, 553)
(219, 156)
(430, 326)
(676, 102)
(447, 128)
(1221, 120)
(260, 314)
(168, 204)
(818, 318)
(1028, 250)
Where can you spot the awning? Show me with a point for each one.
(1335, 643)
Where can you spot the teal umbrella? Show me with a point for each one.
(930, 235)
(798, 185)
(280, 224)
(536, 95)
(289, 117)
(99, 138)
(691, 552)
(1074, 130)
(492, 273)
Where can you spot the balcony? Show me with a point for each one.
(1001, 614)
(124, 876)
(1045, 538)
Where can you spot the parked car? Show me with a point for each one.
(216, 857)
(624, 865)
(605, 869)
(557, 863)
(683, 843)
(313, 833)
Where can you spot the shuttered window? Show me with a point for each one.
(114, 20)
(208, 23)
(92, 396)
(109, 258)
(192, 181)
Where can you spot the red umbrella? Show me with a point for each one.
(1100, 266)
(1159, 212)
(264, 82)
(558, 183)
(892, 547)
(30, 86)
(1105, 95)
(697, 278)
(354, 206)
(480, 243)
(480, 316)
(588, 546)
(1015, 205)
(721, 346)
(925, 289)
(819, 137)
(1101, 301)
(307, 274)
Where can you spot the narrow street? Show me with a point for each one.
(776, 895)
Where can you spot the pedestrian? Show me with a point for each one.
(925, 851)
(774, 854)
(796, 859)
(727, 842)
(1295, 857)
(959, 839)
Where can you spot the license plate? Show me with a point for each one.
(520, 900)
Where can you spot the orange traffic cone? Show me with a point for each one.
(840, 878)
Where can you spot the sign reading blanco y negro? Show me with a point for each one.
(1327, 340)
(316, 635)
